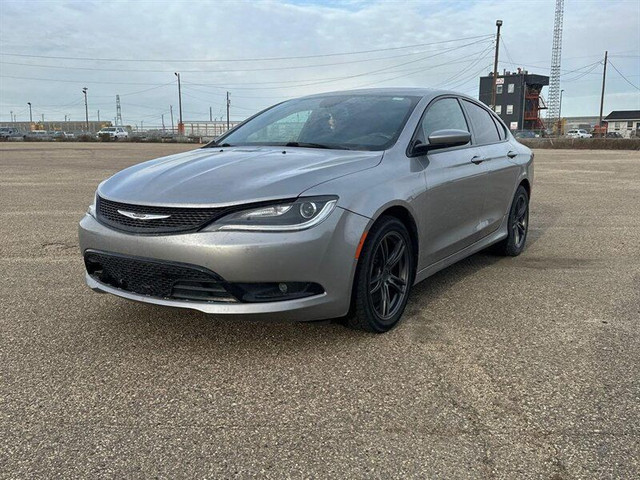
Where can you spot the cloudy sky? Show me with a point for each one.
(264, 52)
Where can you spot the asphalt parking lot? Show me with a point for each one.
(523, 367)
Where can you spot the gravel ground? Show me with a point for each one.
(521, 367)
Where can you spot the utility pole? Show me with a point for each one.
(98, 116)
(163, 122)
(171, 112)
(210, 115)
(495, 66)
(42, 114)
(12, 120)
(228, 104)
(180, 124)
(86, 108)
(30, 113)
(604, 78)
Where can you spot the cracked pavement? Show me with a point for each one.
(522, 367)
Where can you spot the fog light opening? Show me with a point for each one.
(272, 292)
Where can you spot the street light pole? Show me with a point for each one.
(180, 124)
(228, 105)
(30, 113)
(86, 108)
(495, 66)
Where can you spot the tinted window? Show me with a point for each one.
(444, 114)
(358, 122)
(483, 126)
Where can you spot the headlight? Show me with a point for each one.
(280, 217)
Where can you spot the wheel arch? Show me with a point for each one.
(402, 213)
(527, 185)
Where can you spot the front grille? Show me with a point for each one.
(156, 278)
(178, 220)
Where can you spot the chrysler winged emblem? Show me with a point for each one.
(142, 216)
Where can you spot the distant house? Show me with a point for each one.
(624, 122)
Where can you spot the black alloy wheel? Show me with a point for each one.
(384, 276)
(518, 226)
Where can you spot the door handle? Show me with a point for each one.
(477, 159)
(512, 154)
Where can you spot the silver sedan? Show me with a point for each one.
(327, 206)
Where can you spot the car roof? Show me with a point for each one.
(400, 91)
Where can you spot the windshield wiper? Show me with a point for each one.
(314, 145)
(214, 144)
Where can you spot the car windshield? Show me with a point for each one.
(352, 122)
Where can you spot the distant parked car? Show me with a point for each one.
(525, 134)
(6, 132)
(613, 135)
(37, 135)
(578, 133)
(115, 133)
(61, 134)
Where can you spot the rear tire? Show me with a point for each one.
(518, 226)
(384, 276)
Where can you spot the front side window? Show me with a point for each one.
(498, 109)
(484, 128)
(629, 125)
(509, 109)
(353, 122)
(498, 89)
(511, 88)
(444, 114)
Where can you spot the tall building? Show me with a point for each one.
(518, 99)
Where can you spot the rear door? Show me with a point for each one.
(499, 160)
(455, 184)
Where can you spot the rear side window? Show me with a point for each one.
(502, 133)
(444, 114)
(484, 127)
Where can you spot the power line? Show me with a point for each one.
(262, 69)
(298, 57)
(75, 81)
(625, 78)
(442, 52)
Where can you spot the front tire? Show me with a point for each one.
(384, 276)
(518, 226)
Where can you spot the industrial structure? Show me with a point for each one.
(58, 125)
(518, 98)
(553, 114)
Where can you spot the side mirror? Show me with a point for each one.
(442, 139)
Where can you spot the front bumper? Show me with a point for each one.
(324, 254)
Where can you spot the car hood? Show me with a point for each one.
(217, 177)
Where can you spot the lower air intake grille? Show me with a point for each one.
(156, 278)
(168, 219)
